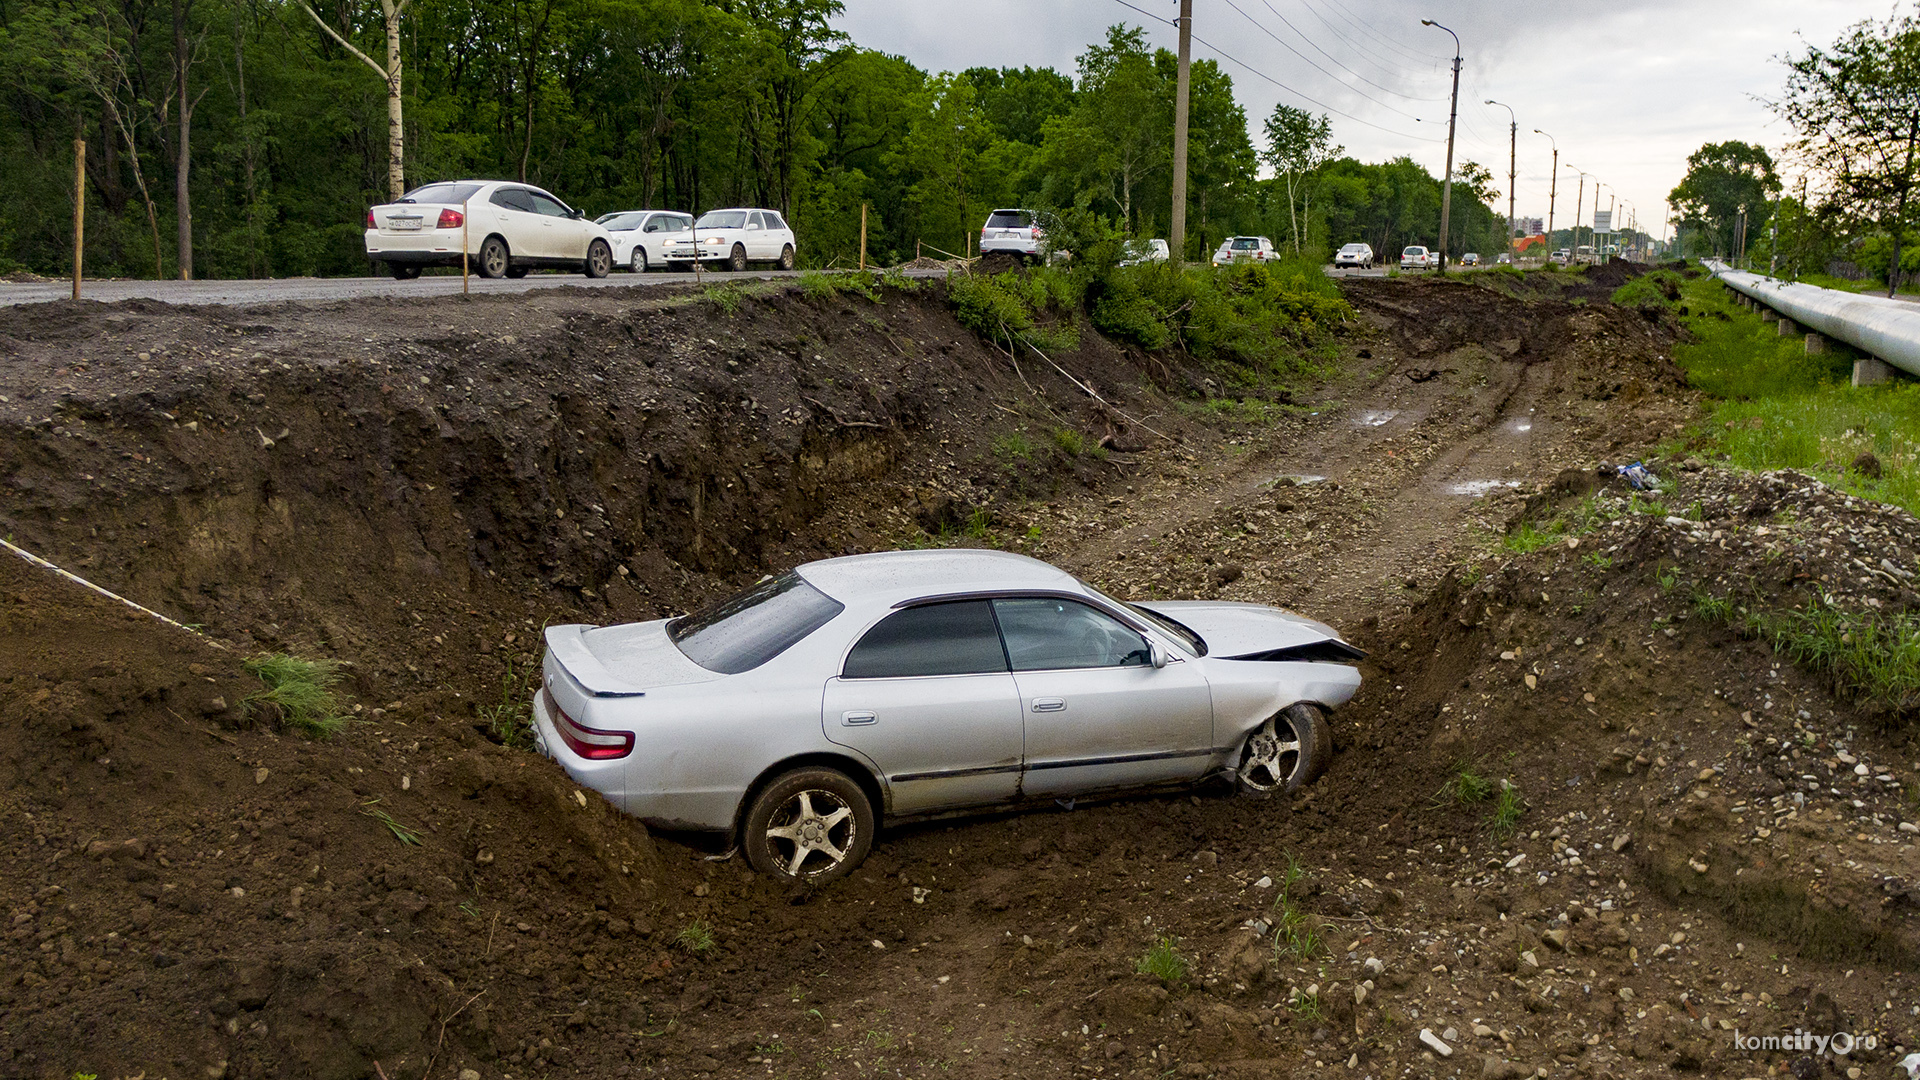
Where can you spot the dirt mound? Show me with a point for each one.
(998, 262)
(233, 889)
(1612, 274)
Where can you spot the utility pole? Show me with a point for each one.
(1180, 90)
(1553, 187)
(1573, 245)
(1513, 166)
(1453, 115)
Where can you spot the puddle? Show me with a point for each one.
(1292, 479)
(1477, 488)
(1517, 427)
(1376, 418)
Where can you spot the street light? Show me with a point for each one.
(1453, 114)
(1573, 247)
(1513, 158)
(1553, 189)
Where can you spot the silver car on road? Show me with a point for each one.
(801, 713)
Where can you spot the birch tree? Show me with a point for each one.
(389, 72)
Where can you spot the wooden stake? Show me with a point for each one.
(466, 289)
(79, 209)
(863, 236)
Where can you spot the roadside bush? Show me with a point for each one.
(1659, 289)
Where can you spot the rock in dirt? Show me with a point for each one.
(1434, 1043)
(1498, 1068)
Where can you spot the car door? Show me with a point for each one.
(1099, 715)
(516, 221)
(925, 695)
(564, 235)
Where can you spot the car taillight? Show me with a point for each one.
(451, 219)
(590, 743)
(371, 224)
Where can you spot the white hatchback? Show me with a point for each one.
(640, 236)
(1415, 257)
(505, 229)
(1245, 249)
(733, 238)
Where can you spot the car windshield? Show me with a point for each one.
(722, 219)
(1174, 629)
(750, 628)
(1354, 248)
(1007, 219)
(440, 193)
(626, 222)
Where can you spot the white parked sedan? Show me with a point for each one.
(640, 236)
(1245, 249)
(505, 229)
(734, 239)
(798, 715)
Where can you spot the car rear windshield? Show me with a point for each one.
(1008, 219)
(747, 630)
(1415, 251)
(440, 193)
(1242, 243)
(722, 219)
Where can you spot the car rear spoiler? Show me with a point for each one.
(566, 646)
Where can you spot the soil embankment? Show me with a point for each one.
(417, 487)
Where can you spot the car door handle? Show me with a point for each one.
(856, 719)
(1049, 704)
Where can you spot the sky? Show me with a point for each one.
(1626, 88)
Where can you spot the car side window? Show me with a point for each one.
(754, 222)
(548, 205)
(775, 221)
(654, 224)
(956, 638)
(513, 199)
(1043, 634)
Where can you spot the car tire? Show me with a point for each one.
(403, 271)
(1285, 753)
(811, 825)
(494, 260)
(737, 261)
(599, 260)
(517, 270)
(638, 263)
(786, 257)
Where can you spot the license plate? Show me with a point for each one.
(404, 224)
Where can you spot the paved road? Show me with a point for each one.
(273, 291)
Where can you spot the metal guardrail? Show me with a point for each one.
(1884, 328)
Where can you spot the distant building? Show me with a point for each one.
(1529, 226)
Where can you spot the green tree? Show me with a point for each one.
(1723, 182)
(1298, 143)
(1119, 132)
(1855, 111)
(961, 161)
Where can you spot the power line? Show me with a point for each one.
(1309, 100)
(1148, 14)
(1382, 62)
(1342, 11)
(1315, 66)
(1303, 37)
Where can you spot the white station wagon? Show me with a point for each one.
(1245, 249)
(734, 239)
(505, 228)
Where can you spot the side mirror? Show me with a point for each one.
(1158, 653)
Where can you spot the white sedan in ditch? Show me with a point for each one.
(734, 239)
(504, 229)
(798, 715)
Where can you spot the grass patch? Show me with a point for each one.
(1780, 408)
(1508, 807)
(1528, 538)
(1076, 444)
(1163, 961)
(695, 937)
(296, 692)
(510, 720)
(1870, 656)
(1295, 934)
(1466, 787)
(725, 299)
(1659, 289)
(1013, 446)
(400, 832)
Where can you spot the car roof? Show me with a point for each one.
(742, 209)
(908, 575)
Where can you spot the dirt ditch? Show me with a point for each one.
(416, 488)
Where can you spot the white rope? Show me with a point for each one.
(78, 580)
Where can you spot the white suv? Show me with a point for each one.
(1245, 248)
(640, 236)
(1358, 256)
(1014, 232)
(733, 238)
(1416, 257)
(505, 228)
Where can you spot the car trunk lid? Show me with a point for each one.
(623, 661)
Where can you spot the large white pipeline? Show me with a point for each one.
(1877, 325)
